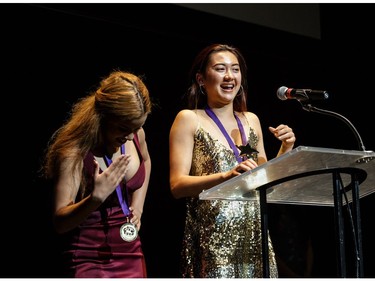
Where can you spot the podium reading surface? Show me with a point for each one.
(313, 189)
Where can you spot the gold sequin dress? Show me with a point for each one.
(222, 238)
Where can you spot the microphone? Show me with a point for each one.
(285, 93)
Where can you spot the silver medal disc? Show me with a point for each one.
(128, 232)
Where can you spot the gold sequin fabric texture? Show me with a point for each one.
(222, 238)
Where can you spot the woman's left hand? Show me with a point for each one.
(285, 134)
(136, 217)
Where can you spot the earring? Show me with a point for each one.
(240, 92)
(200, 89)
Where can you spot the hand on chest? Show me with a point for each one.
(130, 149)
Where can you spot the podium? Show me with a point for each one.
(307, 176)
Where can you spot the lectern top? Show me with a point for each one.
(308, 190)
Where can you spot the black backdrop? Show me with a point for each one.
(52, 54)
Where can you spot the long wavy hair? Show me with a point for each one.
(120, 95)
(196, 99)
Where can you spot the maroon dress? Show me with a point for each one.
(95, 248)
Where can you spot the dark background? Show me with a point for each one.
(53, 54)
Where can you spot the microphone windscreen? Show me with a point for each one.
(281, 93)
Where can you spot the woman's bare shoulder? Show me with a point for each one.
(251, 116)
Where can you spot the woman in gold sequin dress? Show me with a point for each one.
(222, 238)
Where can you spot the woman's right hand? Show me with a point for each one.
(246, 165)
(110, 178)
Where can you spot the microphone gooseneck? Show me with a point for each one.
(305, 96)
(311, 108)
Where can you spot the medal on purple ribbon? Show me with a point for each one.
(128, 232)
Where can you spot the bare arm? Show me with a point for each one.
(181, 144)
(255, 124)
(282, 132)
(139, 195)
(286, 135)
(68, 214)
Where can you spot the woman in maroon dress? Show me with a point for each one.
(100, 167)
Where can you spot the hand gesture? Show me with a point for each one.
(285, 134)
(110, 178)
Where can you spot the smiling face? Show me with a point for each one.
(222, 78)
